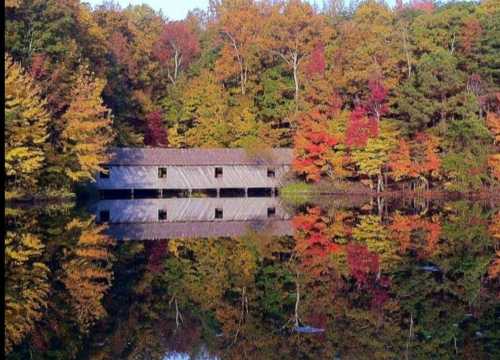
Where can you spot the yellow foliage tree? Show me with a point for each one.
(26, 286)
(292, 31)
(87, 272)
(25, 127)
(87, 130)
(368, 45)
(373, 158)
(240, 24)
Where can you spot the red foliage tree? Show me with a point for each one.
(38, 69)
(408, 229)
(424, 5)
(376, 104)
(317, 62)
(155, 131)
(360, 128)
(312, 146)
(122, 52)
(470, 35)
(176, 48)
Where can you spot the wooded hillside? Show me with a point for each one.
(411, 92)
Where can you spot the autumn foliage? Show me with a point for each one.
(417, 159)
(360, 128)
(155, 133)
(313, 147)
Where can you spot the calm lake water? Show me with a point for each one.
(356, 278)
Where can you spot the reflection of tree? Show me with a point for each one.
(317, 237)
(374, 294)
(494, 269)
(408, 229)
(26, 286)
(372, 232)
(87, 272)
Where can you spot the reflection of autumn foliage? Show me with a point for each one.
(26, 286)
(87, 273)
(313, 243)
(493, 122)
(361, 262)
(494, 269)
(156, 251)
(405, 228)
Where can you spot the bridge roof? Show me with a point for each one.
(199, 156)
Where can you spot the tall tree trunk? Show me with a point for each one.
(296, 79)
(380, 183)
(406, 50)
(241, 65)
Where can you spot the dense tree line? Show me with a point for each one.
(407, 94)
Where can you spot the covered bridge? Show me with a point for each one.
(180, 172)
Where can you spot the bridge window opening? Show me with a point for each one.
(162, 215)
(104, 216)
(271, 172)
(145, 193)
(175, 193)
(162, 172)
(114, 194)
(232, 192)
(259, 192)
(271, 212)
(105, 173)
(218, 213)
(218, 172)
(203, 193)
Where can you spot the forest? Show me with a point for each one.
(371, 97)
(405, 96)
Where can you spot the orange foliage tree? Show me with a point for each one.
(405, 227)
(416, 160)
(314, 153)
(493, 123)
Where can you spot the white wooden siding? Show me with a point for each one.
(191, 177)
(190, 209)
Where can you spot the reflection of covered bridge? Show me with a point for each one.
(160, 172)
(149, 219)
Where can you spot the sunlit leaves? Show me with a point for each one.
(87, 272)
(26, 120)
(26, 284)
(87, 131)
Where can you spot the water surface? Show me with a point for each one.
(174, 279)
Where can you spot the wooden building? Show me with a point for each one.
(231, 172)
